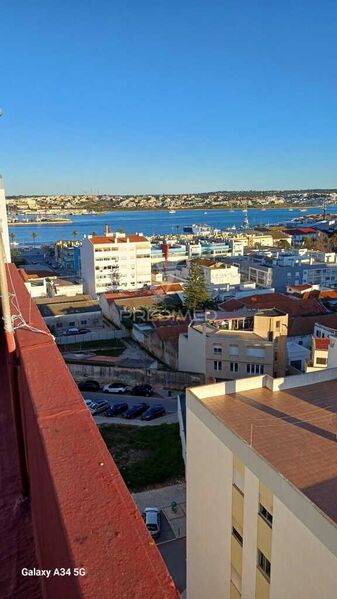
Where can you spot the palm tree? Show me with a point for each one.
(34, 237)
(12, 237)
(74, 234)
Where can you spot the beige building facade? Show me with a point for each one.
(259, 524)
(232, 346)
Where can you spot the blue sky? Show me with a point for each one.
(158, 96)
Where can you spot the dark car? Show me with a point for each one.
(117, 408)
(153, 412)
(84, 331)
(145, 390)
(89, 386)
(136, 410)
(100, 406)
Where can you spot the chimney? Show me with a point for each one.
(106, 230)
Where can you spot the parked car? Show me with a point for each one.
(151, 517)
(89, 385)
(145, 390)
(90, 405)
(83, 331)
(100, 406)
(136, 410)
(153, 412)
(115, 388)
(117, 408)
(72, 331)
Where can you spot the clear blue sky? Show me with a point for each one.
(137, 96)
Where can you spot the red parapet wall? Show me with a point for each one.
(84, 518)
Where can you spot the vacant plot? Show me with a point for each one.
(146, 456)
(105, 347)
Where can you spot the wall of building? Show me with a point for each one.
(247, 351)
(4, 222)
(88, 267)
(192, 351)
(209, 500)
(302, 566)
(300, 545)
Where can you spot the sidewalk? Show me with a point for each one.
(162, 498)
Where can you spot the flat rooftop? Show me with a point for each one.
(295, 430)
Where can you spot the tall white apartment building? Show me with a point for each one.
(4, 222)
(115, 262)
(262, 488)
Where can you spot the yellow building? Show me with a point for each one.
(262, 488)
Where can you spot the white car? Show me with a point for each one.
(151, 517)
(115, 388)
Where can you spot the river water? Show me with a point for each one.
(153, 221)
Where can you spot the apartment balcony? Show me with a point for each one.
(63, 501)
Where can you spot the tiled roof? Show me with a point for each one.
(321, 343)
(101, 239)
(294, 430)
(112, 297)
(290, 305)
(300, 230)
(305, 325)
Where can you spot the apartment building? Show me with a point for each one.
(262, 487)
(4, 221)
(115, 262)
(219, 277)
(228, 346)
(279, 269)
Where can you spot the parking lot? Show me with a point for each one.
(170, 405)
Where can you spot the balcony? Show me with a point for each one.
(63, 501)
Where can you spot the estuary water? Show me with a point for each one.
(153, 221)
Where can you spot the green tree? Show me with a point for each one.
(34, 237)
(196, 295)
(120, 230)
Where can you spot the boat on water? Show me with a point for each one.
(172, 211)
(196, 229)
(303, 209)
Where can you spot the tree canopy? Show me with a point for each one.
(196, 294)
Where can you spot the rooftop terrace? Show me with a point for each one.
(290, 423)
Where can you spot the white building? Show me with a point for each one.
(115, 262)
(262, 487)
(4, 222)
(219, 277)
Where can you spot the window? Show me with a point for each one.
(263, 564)
(217, 349)
(237, 535)
(321, 361)
(234, 366)
(72, 324)
(217, 365)
(233, 350)
(267, 516)
(255, 368)
(277, 324)
(84, 321)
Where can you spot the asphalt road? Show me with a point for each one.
(170, 404)
(174, 555)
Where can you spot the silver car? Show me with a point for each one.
(151, 517)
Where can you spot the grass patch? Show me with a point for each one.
(105, 347)
(145, 455)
